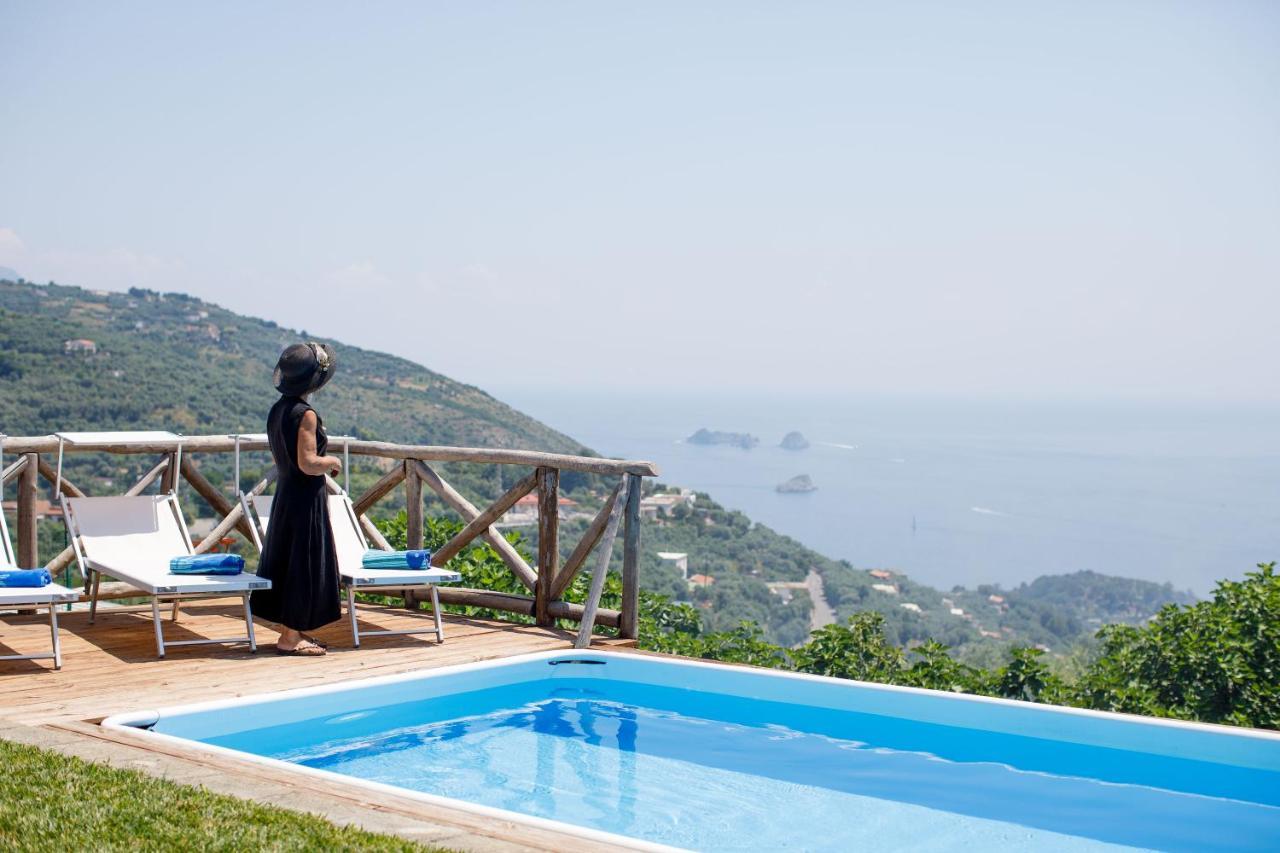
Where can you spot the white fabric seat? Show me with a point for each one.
(133, 539)
(24, 598)
(350, 543)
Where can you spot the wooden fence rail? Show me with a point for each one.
(411, 469)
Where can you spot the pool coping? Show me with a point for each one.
(131, 726)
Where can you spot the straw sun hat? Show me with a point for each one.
(304, 368)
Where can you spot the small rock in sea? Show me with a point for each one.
(794, 441)
(796, 485)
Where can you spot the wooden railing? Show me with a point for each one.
(411, 469)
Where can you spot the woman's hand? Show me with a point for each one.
(309, 460)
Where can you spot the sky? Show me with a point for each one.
(1070, 198)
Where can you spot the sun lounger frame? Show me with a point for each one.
(178, 591)
(50, 596)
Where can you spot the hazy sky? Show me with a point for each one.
(1071, 198)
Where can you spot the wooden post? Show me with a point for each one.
(548, 543)
(413, 524)
(28, 492)
(597, 578)
(629, 622)
(170, 475)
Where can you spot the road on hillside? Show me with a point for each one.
(822, 612)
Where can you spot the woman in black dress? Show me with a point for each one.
(298, 555)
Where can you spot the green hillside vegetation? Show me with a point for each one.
(173, 362)
(169, 361)
(1213, 661)
(1060, 613)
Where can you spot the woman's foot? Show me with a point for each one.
(293, 642)
(304, 648)
(310, 639)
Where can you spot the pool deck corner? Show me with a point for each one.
(110, 667)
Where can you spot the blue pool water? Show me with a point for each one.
(717, 758)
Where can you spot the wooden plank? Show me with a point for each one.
(484, 520)
(413, 522)
(413, 507)
(50, 475)
(28, 491)
(583, 549)
(380, 489)
(464, 508)
(548, 542)
(597, 578)
(425, 453)
(213, 496)
(629, 626)
(13, 470)
(520, 604)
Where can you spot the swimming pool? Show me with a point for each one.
(714, 757)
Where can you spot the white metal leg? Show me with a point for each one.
(351, 614)
(93, 599)
(56, 654)
(248, 625)
(437, 627)
(155, 618)
(435, 611)
(53, 628)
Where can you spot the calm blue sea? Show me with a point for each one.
(971, 491)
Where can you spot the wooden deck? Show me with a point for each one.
(111, 667)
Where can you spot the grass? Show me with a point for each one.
(50, 801)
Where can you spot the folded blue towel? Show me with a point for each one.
(397, 559)
(207, 564)
(25, 578)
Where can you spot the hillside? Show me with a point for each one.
(1059, 612)
(169, 361)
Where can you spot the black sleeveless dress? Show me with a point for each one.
(299, 556)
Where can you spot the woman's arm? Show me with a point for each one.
(309, 460)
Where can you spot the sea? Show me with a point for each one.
(963, 492)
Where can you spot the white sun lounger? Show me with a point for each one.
(350, 542)
(32, 598)
(133, 539)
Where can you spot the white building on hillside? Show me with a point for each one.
(681, 561)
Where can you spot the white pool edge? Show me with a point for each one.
(134, 724)
(135, 719)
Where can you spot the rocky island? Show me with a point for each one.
(794, 441)
(734, 439)
(797, 485)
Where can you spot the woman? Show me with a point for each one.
(298, 556)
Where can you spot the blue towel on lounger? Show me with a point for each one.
(25, 578)
(419, 559)
(207, 564)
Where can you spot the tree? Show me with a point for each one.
(1217, 661)
(856, 650)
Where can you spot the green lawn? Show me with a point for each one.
(50, 801)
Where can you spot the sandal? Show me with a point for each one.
(310, 639)
(303, 650)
